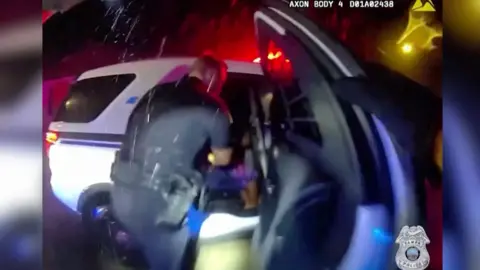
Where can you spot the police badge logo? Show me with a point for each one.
(412, 253)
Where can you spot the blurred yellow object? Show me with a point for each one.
(463, 19)
(407, 48)
(211, 158)
(426, 6)
(226, 255)
(419, 31)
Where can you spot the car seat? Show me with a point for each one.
(221, 201)
(298, 201)
(295, 214)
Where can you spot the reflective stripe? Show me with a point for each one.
(115, 145)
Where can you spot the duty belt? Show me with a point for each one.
(177, 191)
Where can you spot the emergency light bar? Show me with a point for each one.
(271, 56)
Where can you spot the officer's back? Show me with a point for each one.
(169, 127)
(155, 178)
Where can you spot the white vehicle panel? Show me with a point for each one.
(76, 167)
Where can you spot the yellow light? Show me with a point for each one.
(51, 137)
(211, 158)
(407, 48)
(419, 29)
(463, 18)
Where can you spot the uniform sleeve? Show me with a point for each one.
(219, 132)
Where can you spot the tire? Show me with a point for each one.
(110, 256)
(94, 238)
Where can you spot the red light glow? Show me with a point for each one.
(46, 15)
(271, 56)
(278, 66)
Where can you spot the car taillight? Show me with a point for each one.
(50, 138)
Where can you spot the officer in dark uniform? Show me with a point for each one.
(155, 175)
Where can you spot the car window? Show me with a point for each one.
(292, 107)
(236, 95)
(88, 98)
(301, 118)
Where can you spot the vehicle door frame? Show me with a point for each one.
(285, 27)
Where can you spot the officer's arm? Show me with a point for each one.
(219, 139)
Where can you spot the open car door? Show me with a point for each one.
(373, 194)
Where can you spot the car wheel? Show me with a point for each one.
(114, 247)
(92, 212)
(94, 223)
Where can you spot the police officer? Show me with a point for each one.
(155, 174)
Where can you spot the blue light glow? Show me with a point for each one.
(382, 236)
(195, 219)
(96, 212)
(132, 100)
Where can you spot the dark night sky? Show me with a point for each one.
(92, 34)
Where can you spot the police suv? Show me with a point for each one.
(374, 192)
(89, 126)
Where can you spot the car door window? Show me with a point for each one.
(300, 115)
(311, 108)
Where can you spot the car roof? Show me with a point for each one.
(148, 73)
(162, 63)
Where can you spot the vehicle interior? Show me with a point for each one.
(242, 93)
(237, 93)
(310, 212)
(310, 197)
(352, 172)
(304, 200)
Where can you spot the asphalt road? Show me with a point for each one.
(65, 243)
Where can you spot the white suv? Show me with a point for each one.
(89, 126)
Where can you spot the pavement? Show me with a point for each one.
(66, 244)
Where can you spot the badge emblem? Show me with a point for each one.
(412, 253)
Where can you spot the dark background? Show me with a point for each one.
(97, 33)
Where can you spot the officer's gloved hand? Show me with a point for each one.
(411, 115)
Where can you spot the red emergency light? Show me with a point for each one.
(272, 56)
(277, 65)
